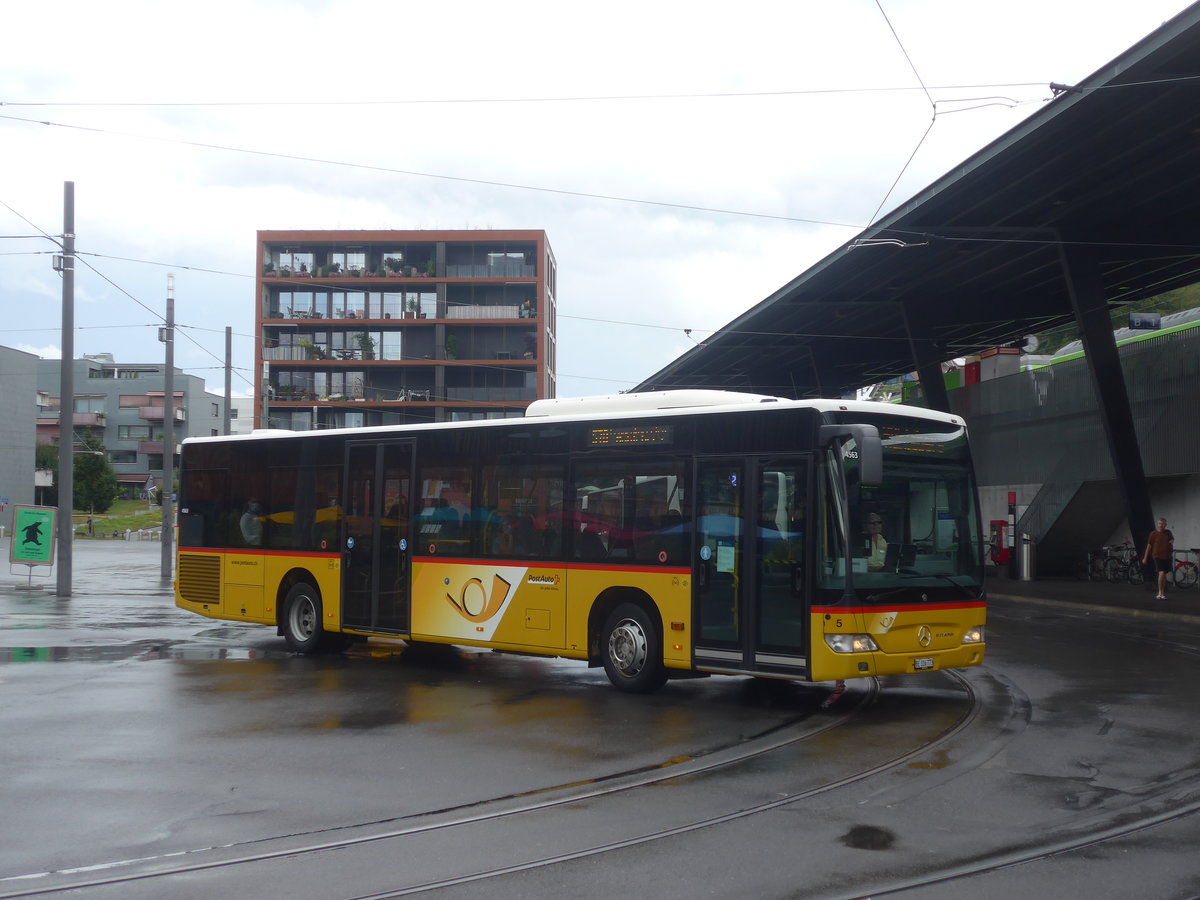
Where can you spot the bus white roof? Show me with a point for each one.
(620, 406)
(619, 403)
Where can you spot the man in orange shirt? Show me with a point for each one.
(1158, 547)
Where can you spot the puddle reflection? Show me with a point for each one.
(119, 652)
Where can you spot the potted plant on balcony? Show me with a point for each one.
(269, 269)
(311, 350)
(431, 267)
(452, 346)
(366, 343)
(411, 309)
(394, 266)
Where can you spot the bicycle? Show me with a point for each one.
(1124, 564)
(1093, 565)
(1185, 573)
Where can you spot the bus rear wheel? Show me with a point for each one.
(302, 619)
(632, 650)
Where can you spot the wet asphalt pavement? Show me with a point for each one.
(139, 739)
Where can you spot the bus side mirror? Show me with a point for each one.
(869, 448)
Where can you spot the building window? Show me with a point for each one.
(133, 432)
(90, 404)
(120, 457)
(349, 259)
(216, 410)
(295, 260)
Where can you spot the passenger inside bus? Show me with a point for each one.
(874, 545)
(439, 519)
(251, 523)
(600, 536)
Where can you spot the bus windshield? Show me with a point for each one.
(918, 529)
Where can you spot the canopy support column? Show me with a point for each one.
(927, 360)
(1081, 269)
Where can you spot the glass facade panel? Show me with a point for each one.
(390, 347)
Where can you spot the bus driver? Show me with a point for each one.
(875, 545)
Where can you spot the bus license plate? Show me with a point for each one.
(924, 662)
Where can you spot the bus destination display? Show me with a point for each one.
(629, 435)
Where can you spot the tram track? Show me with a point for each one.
(902, 759)
(128, 871)
(159, 870)
(1177, 801)
(1022, 856)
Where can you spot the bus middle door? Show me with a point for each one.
(748, 569)
(375, 539)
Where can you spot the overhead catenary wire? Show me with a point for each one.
(929, 97)
(1055, 87)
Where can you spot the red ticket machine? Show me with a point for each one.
(998, 539)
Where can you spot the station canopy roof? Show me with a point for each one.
(975, 260)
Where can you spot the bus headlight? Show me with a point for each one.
(973, 635)
(850, 643)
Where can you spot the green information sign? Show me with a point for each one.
(33, 537)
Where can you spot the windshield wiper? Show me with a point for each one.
(950, 578)
(883, 595)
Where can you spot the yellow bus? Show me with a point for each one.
(674, 534)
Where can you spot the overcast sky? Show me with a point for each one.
(685, 159)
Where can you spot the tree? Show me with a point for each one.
(45, 456)
(95, 482)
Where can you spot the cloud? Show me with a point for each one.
(184, 188)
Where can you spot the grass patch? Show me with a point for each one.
(124, 515)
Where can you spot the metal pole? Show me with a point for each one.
(228, 378)
(168, 504)
(66, 401)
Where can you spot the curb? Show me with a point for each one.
(1134, 612)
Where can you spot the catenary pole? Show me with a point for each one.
(66, 395)
(168, 502)
(228, 379)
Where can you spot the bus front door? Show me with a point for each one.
(748, 568)
(375, 539)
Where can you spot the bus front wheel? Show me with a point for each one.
(302, 618)
(632, 650)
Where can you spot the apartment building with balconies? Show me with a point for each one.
(124, 406)
(358, 328)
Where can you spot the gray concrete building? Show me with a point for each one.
(124, 406)
(18, 412)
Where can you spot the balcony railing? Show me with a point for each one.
(285, 353)
(507, 270)
(498, 395)
(155, 413)
(479, 311)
